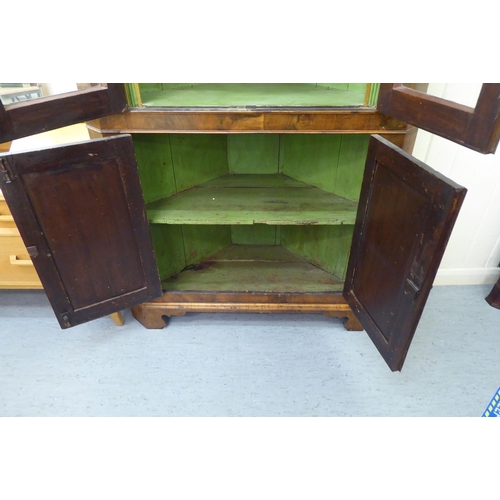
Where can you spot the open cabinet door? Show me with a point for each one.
(83, 200)
(404, 220)
(477, 128)
(25, 118)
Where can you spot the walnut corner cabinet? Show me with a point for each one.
(241, 197)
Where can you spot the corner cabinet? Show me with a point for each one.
(252, 198)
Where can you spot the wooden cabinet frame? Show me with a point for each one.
(478, 128)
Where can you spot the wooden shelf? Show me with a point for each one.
(254, 268)
(253, 95)
(253, 199)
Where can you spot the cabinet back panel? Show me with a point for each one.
(327, 247)
(202, 241)
(154, 162)
(253, 153)
(258, 234)
(197, 158)
(311, 158)
(351, 165)
(168, 243)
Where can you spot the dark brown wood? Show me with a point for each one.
(405, 217)
(493, 298)
(81, 208)
(476, 128)
(484, 128)
(153, 314)
(365, 121)
(48, 113)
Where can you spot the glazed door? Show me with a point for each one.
(81, 214)
(48, 113)
(404, 220)
(477, 128)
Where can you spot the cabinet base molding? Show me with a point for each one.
(155, 314)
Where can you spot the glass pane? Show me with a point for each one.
(11, 93)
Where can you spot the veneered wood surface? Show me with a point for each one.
(214, 120)
(48, 113)
(80, 209)
(405, 217)
(153, 314)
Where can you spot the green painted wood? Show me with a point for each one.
(357, 87)
(154, 162)
(198, 158)
(144, 88)
(169, 249)
(241, 275)
(257, 234)
(133, 98)
(311, 158)
(251, 94)
(341, 241)
(255, 252)
(374, 91)
(249, 205)
(255, 180)
(202, 241)
(253, 153)
(351, 165)
(324, 246)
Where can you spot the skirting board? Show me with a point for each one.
(473, 276)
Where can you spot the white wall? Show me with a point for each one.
(473, 253)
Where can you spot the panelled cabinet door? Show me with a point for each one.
(405, 217)
(81, 214)
(477, 128)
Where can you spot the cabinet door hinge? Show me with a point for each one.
(5, 172)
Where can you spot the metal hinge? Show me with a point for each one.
(5, 172)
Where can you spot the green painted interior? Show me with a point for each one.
(254, 269)
(248, 204)
(154, 161)
(312, 158)
(286, 178)
(253, 153)
(198, 158)
(256, 234)
(202, 241)
(252, 94)
(351, 165)
(133, 99)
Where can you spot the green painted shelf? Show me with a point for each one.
(254, 268)
(253, 94)
(253, 199)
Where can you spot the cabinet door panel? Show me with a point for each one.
(476, 128)
(48, 113)
(81, 214)
(405, 217)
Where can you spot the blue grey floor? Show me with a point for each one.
(246, 364)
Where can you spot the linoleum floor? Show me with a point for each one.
(246, 364)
